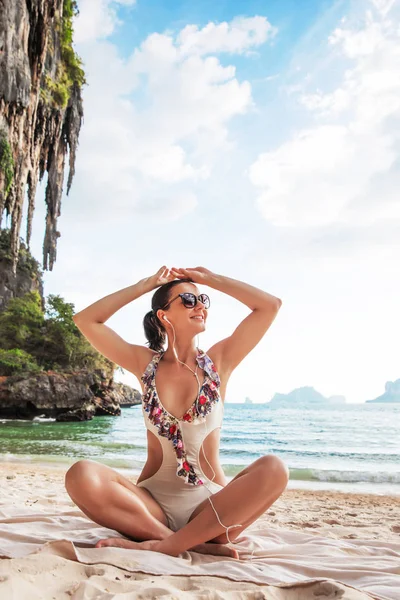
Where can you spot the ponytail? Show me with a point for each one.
(154, 331)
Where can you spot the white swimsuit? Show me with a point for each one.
(180, 485)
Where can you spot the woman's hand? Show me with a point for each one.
(197, 275)
(163, 276)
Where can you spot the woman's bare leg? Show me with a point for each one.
(111, 500)
(234, 533)
(242, 501)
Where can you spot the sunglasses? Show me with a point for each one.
(189, 300)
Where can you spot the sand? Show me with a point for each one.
(331, 514)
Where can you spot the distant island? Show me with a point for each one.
(248, 401)
(392, 392)
(305, 395)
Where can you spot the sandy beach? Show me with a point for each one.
(41, 488)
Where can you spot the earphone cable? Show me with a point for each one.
(201, 447)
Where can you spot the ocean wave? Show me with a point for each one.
(110, 445)
(328, 475)
(350, 454)
(344, 476)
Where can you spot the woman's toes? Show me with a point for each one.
(216, 549)
(230, 552)
(116, 542)
(227, 551)
(102, 543)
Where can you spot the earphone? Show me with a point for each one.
(201, 447)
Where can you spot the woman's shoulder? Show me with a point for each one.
(209, 364)
(149, 358)
(212, 357)
(216, 358)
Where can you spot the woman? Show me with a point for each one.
(181, 500)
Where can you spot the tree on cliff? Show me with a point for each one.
(31, 340)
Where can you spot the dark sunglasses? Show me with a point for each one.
(189, 300)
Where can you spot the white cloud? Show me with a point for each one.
(160, 118)
(236, 37)
(365, 42)
(168, 164)
(384, 6)
(335, 102)
(167, 206)
(326, 173)
(97, 19)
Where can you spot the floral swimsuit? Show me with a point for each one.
(181, 440)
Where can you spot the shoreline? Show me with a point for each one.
(364, 488)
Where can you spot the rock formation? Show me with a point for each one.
(392, 392)
(28, 275)
(40, 112)
(68, 396)
(305, 395)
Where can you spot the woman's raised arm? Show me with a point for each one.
(91, 323)
(230, 351)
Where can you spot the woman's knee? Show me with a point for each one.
(273, 466)
(83, 478)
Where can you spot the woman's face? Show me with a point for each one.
(191, 320)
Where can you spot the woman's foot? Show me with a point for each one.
(206, 548)
(215, 549)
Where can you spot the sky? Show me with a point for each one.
(259, 140)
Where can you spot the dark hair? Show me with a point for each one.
(154, 330)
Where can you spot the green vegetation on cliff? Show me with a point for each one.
(70, 69)
(17, 361)
(31, 340)
(6, 163)
(26, 263)
(34, 339)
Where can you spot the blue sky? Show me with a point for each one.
(260, 140)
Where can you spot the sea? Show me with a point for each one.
(346, 447)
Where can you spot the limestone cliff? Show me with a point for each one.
(40, 112)
(392, 392)
(306, 395)
(28, 277)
